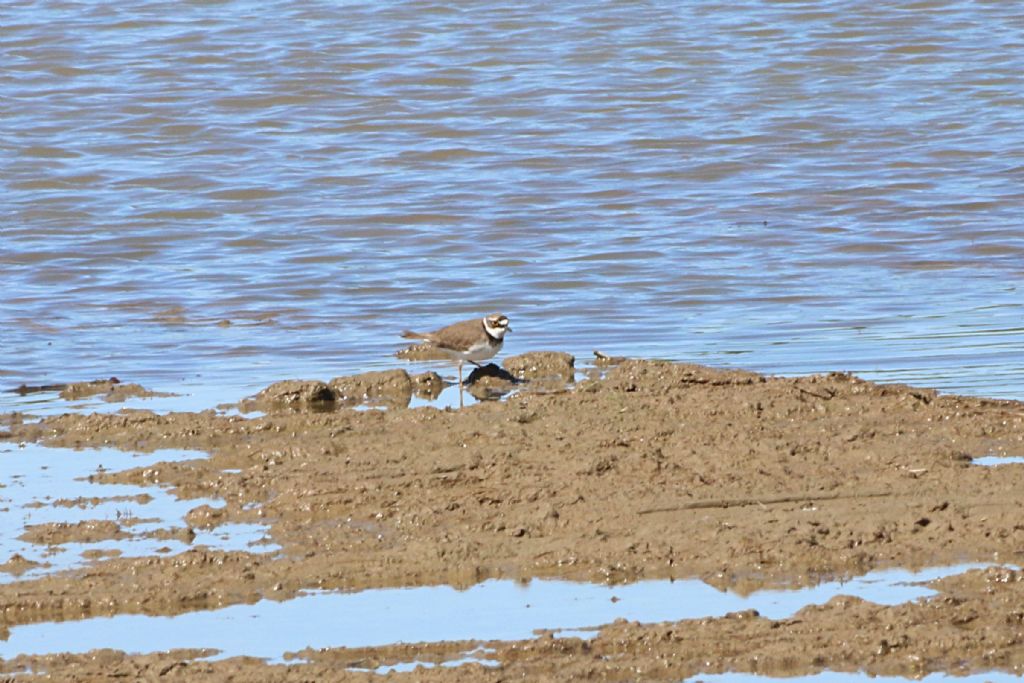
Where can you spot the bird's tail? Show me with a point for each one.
(409, 334)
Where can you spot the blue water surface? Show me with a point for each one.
(206, 198)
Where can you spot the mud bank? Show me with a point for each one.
(657, 470)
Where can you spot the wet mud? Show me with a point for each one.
(652, 470)
(56, 533)
(111, 390)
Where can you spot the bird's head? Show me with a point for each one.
(496, 325)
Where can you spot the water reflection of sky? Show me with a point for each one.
(492, 610)
(998, 460)
(37, 479)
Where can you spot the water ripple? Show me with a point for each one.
(811, 186)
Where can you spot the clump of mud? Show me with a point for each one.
(112, 390)
(18, 565)
(389, 388)
(543, 371)
(293, 393)
(56, 533)
(603, 360)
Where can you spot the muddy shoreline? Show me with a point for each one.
(655, 470)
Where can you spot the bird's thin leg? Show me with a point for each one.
(460, 384)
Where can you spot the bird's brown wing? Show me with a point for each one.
(458, 336)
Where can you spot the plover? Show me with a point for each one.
(469, 340)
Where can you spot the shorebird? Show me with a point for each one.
(469, 340)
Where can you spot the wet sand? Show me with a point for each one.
(655, 470)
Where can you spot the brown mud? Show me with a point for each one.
(112, 390)
(656, 470)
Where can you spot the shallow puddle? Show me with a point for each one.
(996, 460)
(448, 398)
(843, 677)
(49, 403)
(493, 610)
(51, 486)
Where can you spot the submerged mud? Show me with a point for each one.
(656, 470)
(111, 390)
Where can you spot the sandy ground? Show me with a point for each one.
(655, 470)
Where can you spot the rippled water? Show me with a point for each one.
(206, 197)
